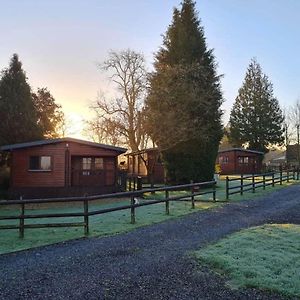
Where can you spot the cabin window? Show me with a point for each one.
(223, 159)
(243, 160)
(40, 163)
(99, 165)
(91, 163)
(86, 165)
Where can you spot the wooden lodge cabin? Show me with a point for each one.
(147, 164)
(239, 161)
(62, 167)
(293, 155)
(275, 159)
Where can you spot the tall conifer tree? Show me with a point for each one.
(256, 117)
(183, 106)
(17, 112)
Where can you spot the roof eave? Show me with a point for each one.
(241, 149)
(60, 140)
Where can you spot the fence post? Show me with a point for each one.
(139, 183)
(21, 225)
(193, 197)
(167, 203)
(132, 210)
(86, 216)
(273, 183)
(253, 183)
(280, 177)
(242, 184)
(298, 173)
(227, 188)
(264, 181)
(214, 192)
(288, 176)
(294, 173)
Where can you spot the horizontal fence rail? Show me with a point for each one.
(194, 189)
(254, 181)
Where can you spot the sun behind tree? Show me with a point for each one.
(49, 113)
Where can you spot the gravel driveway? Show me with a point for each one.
(148, 263)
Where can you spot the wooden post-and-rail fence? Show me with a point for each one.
(252, 182)
(194, 188)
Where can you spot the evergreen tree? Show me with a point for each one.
(17, 112)
(183, 105)
(49, 113)
(256, 117)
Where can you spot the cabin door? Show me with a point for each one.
(88, 171)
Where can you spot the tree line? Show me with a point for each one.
(176, 107)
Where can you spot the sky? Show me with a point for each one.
(60, 43)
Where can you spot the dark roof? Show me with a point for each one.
(60, 140)
(142, 151)
(241, 149)
(274, 155)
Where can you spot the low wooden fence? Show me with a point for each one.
(258, 181)
(193, 188)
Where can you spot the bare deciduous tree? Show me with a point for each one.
(121, 120)
(65, 127)
(102, 130)
(292, 121)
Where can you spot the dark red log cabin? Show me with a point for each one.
(240, 161)
(62, 167)
(146, 163)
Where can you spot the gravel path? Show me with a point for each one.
(148, 263)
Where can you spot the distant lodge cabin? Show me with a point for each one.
(275, 159)
(147, 164)
(240, 161)
(62, 167)
(293, 155)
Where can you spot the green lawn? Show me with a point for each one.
(100, 225)
(106, 224)
(248, 194)
(265, 257)
(221, 192)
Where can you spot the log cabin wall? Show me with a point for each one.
(158, 168)
(57, 181)
(137, 167)
(239, 162)
(78, 151)
(23, 177)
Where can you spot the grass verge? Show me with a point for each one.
(259, 191)
(100, 225)
(110, 223)
(265, 257)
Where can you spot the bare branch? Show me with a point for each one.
(123, 117)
